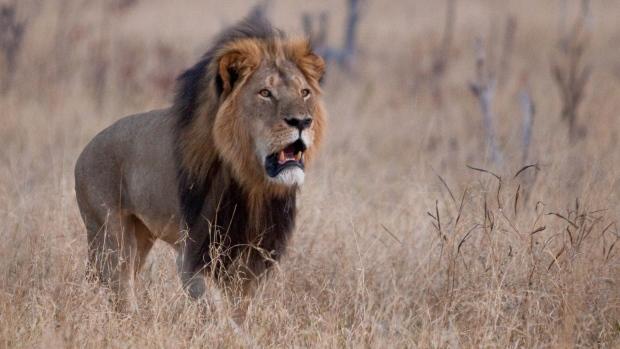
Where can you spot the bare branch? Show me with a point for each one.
(528, 111)
(344, 55)
(11, 38)
(483, 88)
(507, 47)
(568, 70)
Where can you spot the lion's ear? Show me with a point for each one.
(314, 66)
(234, 63)
(311, 64)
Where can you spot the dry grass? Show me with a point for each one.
(399, 243)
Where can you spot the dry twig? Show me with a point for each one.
(344, 55)
(11, 38)
(483, 88)
(570, 72)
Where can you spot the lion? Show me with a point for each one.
(215, 175)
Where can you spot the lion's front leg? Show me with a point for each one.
(242, 280)
(242, 299)
(191, 277)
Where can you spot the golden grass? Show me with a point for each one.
(399, 243)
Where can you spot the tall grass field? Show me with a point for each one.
(467, 194)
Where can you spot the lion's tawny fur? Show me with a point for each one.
(194, 174)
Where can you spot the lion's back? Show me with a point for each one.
(130, 164)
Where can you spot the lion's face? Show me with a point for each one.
(280, 108)
(275, 119)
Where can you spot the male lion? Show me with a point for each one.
(216, 174)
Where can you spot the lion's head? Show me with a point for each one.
(256, 107)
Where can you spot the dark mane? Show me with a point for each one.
(194, 82)
(216, 210)
(192, 91)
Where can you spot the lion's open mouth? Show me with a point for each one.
(291, 156)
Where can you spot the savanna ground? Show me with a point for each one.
(398, 242)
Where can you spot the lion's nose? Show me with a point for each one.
(299, 123)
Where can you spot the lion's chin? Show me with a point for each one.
(286, 166)
(289, 176)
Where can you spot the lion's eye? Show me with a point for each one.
(265, 93)
(305, 92)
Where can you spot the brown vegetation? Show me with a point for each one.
(399, 243)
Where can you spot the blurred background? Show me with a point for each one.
(467, 194)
